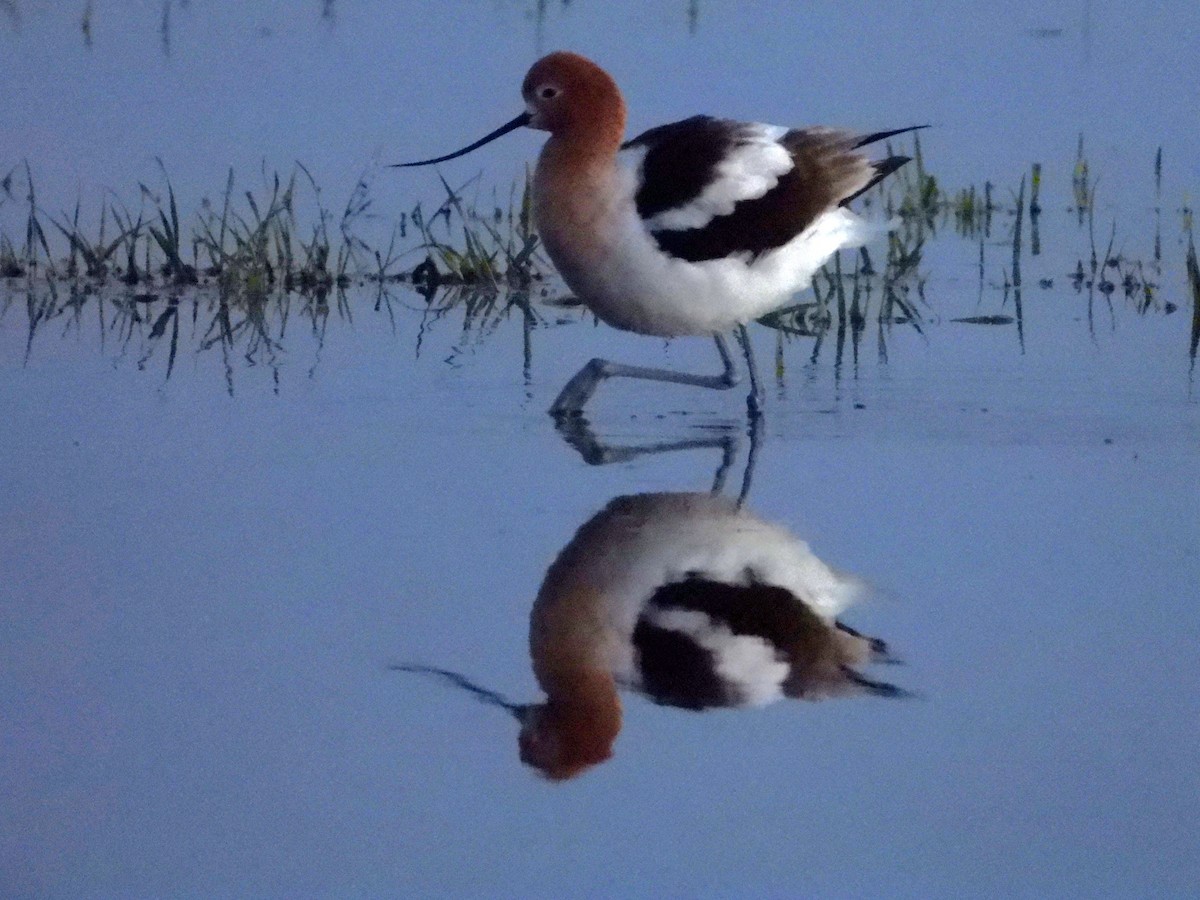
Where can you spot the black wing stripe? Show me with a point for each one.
(828, 172)
(764, 611)
(675, 670)
(681, 161)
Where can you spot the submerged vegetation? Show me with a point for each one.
(236, 273)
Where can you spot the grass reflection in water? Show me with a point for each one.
(239, 275)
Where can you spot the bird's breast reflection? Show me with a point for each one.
(694, 602)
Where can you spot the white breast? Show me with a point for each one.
(616, 268)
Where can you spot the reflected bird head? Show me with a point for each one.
(574, 730)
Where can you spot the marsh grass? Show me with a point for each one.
(849, 292)
(256, 263)
(18, 259)
(280, 236)
(1018, 221)
(95, 255)
(234, 278)
(1084, 198)
(255, 247)
(498, 240)
(1193, 275)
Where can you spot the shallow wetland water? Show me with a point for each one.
(229, 510)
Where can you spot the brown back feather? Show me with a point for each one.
(828, 170)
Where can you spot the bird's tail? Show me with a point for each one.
(883, 169)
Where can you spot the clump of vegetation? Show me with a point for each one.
(257, 242)
(259, 248)
(17, 260)
(233, 275)
(244, 265)
(498, 244)
(849, 292)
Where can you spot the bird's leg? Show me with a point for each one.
(577, 432)
(754, 432)
(583, 384)
(728, 454)
(754, 402)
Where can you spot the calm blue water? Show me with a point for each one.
(272, 82)
(205, 577)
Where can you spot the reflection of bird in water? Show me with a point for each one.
(694, 602)
(709, 224)
(690, 600)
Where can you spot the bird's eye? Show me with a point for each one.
(548, 92)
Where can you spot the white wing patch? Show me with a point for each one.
(747, 662)
(747, 173)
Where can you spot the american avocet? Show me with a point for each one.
(696, 603)
(688, 599)
(713, 223)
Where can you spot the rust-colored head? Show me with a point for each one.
(575, 729)
(569, 96)
(572, 97)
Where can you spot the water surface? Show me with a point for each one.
(210, 563)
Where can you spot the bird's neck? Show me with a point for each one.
(577, 200)
(585, 711)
